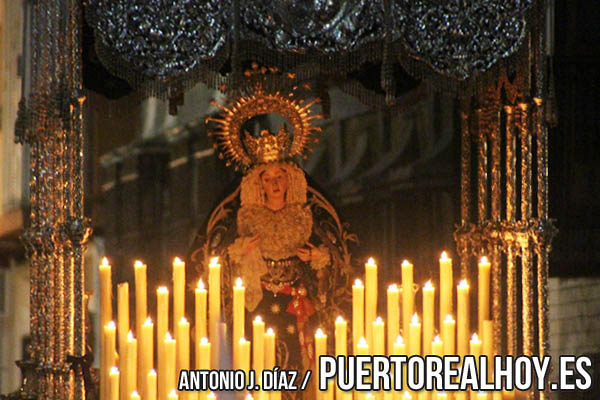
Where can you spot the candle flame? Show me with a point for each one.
(200, 284)
(319, 333)
(362, 341)
(168, 337)
(475, 338)
(214, 261)
(399, 340)
(111, 325)
(444, 256)
(463, 284)
(258, 319)
(130, 336)
(483, 260)
(162, 289)
(114, 371)
(238, 282)
(177, 261)
(249, 397)
(371, 262)
(437, 339)
(172, 393)
(339, 320)
(428, 285)
(204, 340)
(414, 319)
(152, 372)
(148, 321)
(406, 395)
(449, 318)
(242, 340)
(183, 320)
(405, 263)
(378, 320)
(358, 283)
(393, 287)
(138, 264)
(135, 394)
(104, 262)
(270, 331)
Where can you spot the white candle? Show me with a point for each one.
(358, 312)
(200, 331)
(146, 351)
(214, 304)
(483, 288)
(428, 316)
(178, 292)
(407, 297)
(446, 286)
(239, 293)
(462, 325)
(378, 337)
(393, 315)
(371, 297)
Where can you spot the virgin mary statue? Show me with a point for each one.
(279, 234)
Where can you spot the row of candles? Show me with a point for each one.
(131, 376)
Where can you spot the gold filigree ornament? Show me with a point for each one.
(243, 150)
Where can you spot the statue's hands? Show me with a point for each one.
(313, 253)
(250, 244)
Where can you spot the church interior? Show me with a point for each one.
(108, 148)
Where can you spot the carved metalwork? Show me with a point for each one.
(50, 121)
(522, 231)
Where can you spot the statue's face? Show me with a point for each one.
(274, 181)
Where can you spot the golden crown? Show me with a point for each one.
(242, 150)
(267, 147)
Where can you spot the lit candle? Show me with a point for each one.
(151, 385)
(239, 292)
(135, 395)
(475, 347)
(258, 346)
(320, 350)
(244, 352)
(170, 351)
(437, 347)
(105, 272)
(408, 300)
(269, 349)
(441, 396)
(414, 336)
(130, 372)
(362, 347)
(183, 346)
(109, 335)
(462, 325)
(162, 327)
(378, 337)
(173, 395)
(178, 292)
(399, 346)
(141, 309)
(211, 396)
(105, 316)
(214, 304)
(370, 297)
(406, 395)
(200, 308)
(428, 316)
(146, 351)
(445, 286)
(449, 335)
(358, 312)
(483, 287)
(482, 396)
(341, 333)
(393, 315)
(488, 345)
(113, 382)
(203, 361)
(122, 330)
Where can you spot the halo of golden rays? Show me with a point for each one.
(235, 113)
